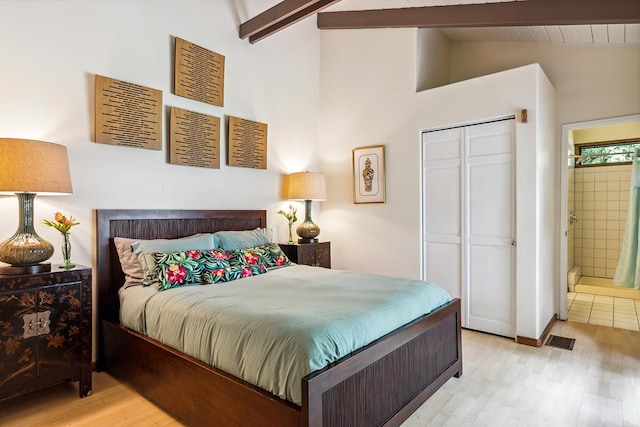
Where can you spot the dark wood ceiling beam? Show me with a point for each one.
(273, 15)
(292, 19)
(280, 16)
(504, 14)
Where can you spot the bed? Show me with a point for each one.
(382, 383)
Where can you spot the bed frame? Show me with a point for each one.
(380, 384)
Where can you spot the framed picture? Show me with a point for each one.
(368, 174)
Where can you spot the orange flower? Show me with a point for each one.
(61, 222)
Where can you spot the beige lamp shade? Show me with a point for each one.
(28, 166)
(307, 186)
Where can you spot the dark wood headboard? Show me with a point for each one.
(153, 224)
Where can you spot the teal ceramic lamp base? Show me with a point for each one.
(308, 231)
(25, 250)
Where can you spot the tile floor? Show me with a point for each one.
(603, 310)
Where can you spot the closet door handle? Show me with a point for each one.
(513, 243)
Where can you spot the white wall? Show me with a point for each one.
(361, 105)
(368, 97)
(51, 53)
(591, 82)
(548, 178)
(361, 87)
(503, 94)
(433, 59)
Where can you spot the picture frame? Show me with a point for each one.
(368, 175)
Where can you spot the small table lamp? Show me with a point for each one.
(28, 168)
(307, 186)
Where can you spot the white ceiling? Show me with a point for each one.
(612, 34)
(567, 34)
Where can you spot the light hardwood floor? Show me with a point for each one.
(504, 384)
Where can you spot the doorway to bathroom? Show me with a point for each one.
(595, 198)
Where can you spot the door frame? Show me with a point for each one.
(562, 214)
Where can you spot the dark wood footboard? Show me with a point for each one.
(384, 383)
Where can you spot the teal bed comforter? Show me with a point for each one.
(275, 328)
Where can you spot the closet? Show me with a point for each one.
(469, 220)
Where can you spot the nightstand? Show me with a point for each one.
(315, 254)
(45, 330)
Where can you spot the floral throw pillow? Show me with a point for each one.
(187, 267)
(232, 273)
(270, 255)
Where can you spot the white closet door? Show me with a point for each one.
(468, 221)
(442, 210)
(490, 250)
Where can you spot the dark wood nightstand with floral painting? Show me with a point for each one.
(314, 254)
(45, 330)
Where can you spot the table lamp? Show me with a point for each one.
(27, 168)
(307, 186)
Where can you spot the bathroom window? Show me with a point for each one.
(606, 153)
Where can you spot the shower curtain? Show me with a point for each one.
(628, 270)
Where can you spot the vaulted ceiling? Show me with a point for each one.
(600, 22)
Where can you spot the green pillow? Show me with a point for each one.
(234, 240)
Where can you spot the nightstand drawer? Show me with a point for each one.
(314, 254)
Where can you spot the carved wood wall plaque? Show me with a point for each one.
(128, 114)
(195, 139)
(199, 73)
(247, 143)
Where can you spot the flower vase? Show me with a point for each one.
(66, 252)
(290, 235)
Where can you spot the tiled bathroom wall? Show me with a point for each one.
(601, 197)
(571, 207)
